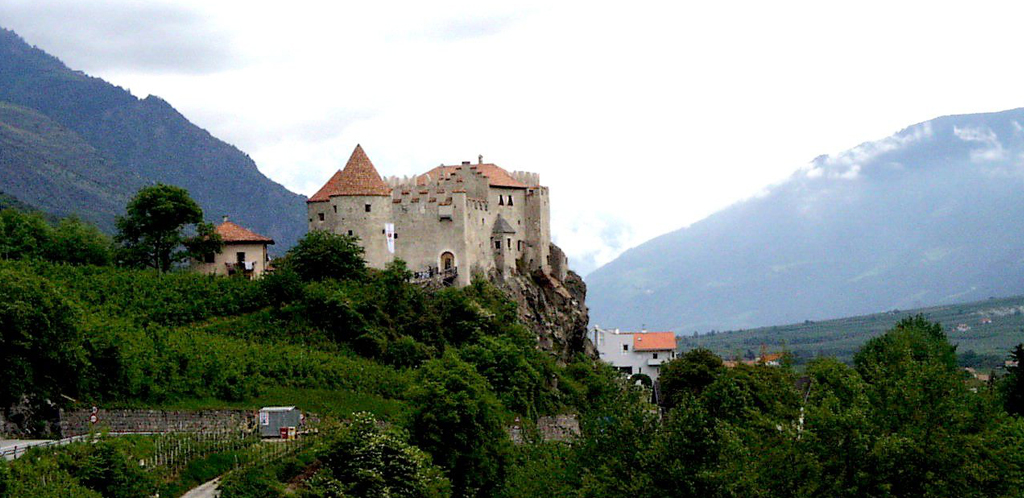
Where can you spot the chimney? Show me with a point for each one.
(465, 163)
(225, 219)
(480, 159)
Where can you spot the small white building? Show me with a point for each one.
(244, 252)
(635, 352)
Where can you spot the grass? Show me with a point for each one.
(994, 327)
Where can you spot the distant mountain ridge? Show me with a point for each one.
(74, 144)
(931, 215)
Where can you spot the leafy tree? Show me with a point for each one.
(76, 242)
(691, 372)
(253, 482)
(205, 241)
(23, 235)
(458, 421)
(322, 255)
(368, 461)
(40, 343)
(1012, 384)
(109, 469)
(152, 232)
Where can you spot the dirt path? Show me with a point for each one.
(207, 490)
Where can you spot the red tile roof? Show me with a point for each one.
(232, 233)
(358, 178)
(654, 341)
(495, 174)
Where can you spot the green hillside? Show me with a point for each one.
(993, 327)
(74, 144)
(54, 170)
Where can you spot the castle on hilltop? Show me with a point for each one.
(446, 224)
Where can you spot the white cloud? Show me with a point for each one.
(642, 118)
(993, 149)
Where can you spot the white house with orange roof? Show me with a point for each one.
(449, 222)
(244, 252)
(635, 352)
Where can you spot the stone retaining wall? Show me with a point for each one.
(77, 422)
(564, 428)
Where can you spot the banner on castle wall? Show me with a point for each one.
(389, 229)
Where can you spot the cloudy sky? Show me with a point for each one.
(641, 117)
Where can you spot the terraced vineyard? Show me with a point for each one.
(984, 331)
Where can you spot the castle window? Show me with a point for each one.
(510, 243)
(366, 207)
(335, 208)
(501, 200)
(497, 244)
(510, 200)
(519, 245)
(320, 216)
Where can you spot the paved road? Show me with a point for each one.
(13, 448)
(208, 490)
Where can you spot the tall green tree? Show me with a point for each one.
(1012, 384)
(152, 233)
(322, 255)
(458, 421)
(40, 342)
(691, 372)
(366, 460)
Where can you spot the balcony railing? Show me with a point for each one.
(432, 274)
(246, 267)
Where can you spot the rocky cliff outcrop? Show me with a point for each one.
(555, 308)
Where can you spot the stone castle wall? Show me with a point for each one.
(455, 212)
(77, 422)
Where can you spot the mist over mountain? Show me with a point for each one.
(74, 144)
(930, 215)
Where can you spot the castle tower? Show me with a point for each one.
(502, 236)
(357, 202)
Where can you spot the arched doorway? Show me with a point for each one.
(447, 260)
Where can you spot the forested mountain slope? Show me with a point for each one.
(931, 215)
(71, 143)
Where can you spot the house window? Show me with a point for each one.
(625, 347)
(497, 244)
(510, 200)
(655, 356)
(510, 243)
(240, 256)
(335, 208)
(321, 216)
(350, 233)
(519, 245)
(366, 207)
(501, 200)
(208, 257)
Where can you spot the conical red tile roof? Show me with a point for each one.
(358, 178)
